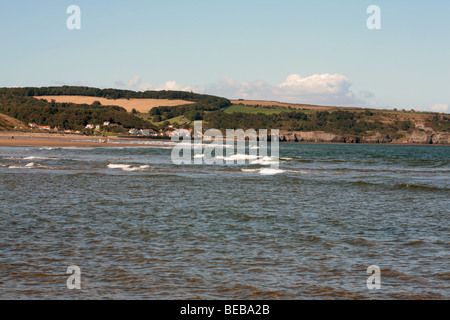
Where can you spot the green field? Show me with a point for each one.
(265, 110)
(148, 117)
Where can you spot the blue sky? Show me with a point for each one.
(298, 51)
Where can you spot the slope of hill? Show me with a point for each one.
(8, 123)
(264, 103)
(80, 106)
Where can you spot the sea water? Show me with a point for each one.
(140, 227)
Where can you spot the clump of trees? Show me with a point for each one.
(195, 111)
(113, 93)
(338, 122)
(18, 104)
(441, 123)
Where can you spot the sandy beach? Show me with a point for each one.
(22, 139)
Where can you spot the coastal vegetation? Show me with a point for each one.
(338, 122)
(25, 105)
(67, 115)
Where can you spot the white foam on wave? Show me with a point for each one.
(136, 168)
(238, 156)
(270, 171)
(127, 167)
(298, 171)
(266, 160)
(27, 166)
(37, 158)
(264, 171)
(118, 166)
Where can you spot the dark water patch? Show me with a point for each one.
(420, 187)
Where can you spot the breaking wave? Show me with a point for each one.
(127, 167)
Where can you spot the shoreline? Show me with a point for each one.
(25, 139)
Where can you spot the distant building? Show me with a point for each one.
(106, 123)
(181, 133)
(33, 125)
(90, 126)
(145, 132)
(44, 128)
(97, 127)
(134, 131)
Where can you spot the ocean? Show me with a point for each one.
(140, 227)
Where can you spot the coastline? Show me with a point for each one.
(26, 139)
(23, 139)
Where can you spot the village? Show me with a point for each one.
(98, 128)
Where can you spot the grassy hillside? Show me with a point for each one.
(251, 109)
(9, 123)
(348, 121)
(216, 112)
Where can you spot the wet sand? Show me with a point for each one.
(20, 139)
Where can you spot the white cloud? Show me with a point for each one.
(331, 89)
(317, 84)
(168, 85)
(134, 83)
(322, 89)
(439, 107)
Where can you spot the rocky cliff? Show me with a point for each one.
(417, 136)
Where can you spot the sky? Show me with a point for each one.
(317, 52)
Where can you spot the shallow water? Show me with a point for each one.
(140, 227)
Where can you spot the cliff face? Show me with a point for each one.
(416, 137)
(424, 134)
(428, 137)
(317, 136)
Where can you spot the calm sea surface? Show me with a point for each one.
(140, 227)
